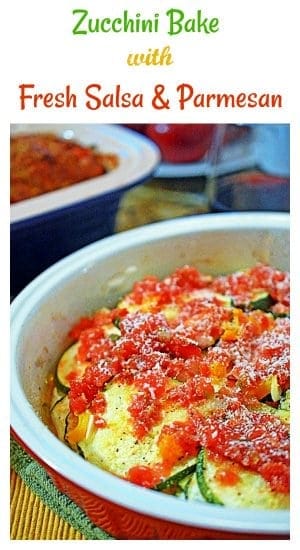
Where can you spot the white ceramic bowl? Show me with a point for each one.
(98, 275)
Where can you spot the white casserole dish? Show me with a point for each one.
(98, 275)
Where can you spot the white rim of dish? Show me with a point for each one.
(138, 155)
(45, 445)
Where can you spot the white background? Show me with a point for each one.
(255, 50)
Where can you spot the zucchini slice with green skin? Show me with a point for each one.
(175, 479)
(57, 396)
(193, 491)
(68, 363)
(284, 403)
(203, 481)
(262, 301)
(249, 490)
(280, 315)
(282, 413)
(59, 413)
(183, 486)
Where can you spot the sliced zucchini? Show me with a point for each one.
(275, 390)
(57, 395)
(59, 414)
(112, 331)
(246, 489)
(68, 363)
(282, 413)
(279, 315)
(117, 322)
(114, 337)
(261, 300)
(225, 300)
(193, 491)
(175, 479)
(284, 403)
(115, 447)
(183, 486)
(203, 480)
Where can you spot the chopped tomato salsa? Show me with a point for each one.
(227, 477)
(143, 475)
(256, 440)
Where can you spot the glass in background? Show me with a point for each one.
(178, 185)
(254, 173)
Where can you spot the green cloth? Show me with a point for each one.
(36, 478)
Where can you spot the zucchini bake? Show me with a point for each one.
(184, 387)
